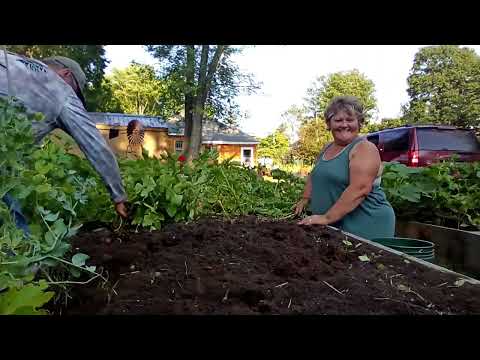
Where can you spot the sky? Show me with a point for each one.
(287, 71)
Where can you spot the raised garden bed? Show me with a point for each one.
(251, 266)
(455, 249)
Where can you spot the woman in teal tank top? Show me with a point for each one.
(344, 186)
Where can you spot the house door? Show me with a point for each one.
(247, 156)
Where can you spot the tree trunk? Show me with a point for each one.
(207, 71)
(196, 138)
(212, 68)
(189, 97)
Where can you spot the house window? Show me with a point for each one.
(113, 133)
(246, 156)
(178, 146)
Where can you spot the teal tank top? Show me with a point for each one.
(373, 218)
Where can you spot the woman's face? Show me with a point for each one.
(344, 127)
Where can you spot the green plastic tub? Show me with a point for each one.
(421, 249)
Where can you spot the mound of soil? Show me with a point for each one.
(252, 266)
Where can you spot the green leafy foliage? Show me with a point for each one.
(313, 136)
(228, 80)
(25, 300)
(138, 90)
(274, 146)
(447, 193)
(49, 194)
(234, 190)
(444, 86)
(352, 83)
(166, 190)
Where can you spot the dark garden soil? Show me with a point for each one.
(252, 266)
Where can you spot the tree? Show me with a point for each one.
(311, 133)
(105, 98)
(274, 146)
(352, 83)
(138, 90)
(90, 57)
(444, 87)
(209, 81)
(313, 136)
(291, 120)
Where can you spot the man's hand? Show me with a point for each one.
(121, 209)
(314, 220)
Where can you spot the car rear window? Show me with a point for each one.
(396, 140)
(442, 139)
(373, 139)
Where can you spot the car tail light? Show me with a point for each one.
(413, 158)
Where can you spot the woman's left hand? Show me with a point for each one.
(314, 220)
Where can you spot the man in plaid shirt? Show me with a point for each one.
(54, 87)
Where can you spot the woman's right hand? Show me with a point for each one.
(300, 205)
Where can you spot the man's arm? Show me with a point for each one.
(77, 123)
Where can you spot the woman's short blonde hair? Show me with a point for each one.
(350, 104)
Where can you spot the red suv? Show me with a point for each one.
(422, 145)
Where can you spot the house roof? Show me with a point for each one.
(210, 137)
(112, 119)
(213, 131)
(216, 133)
